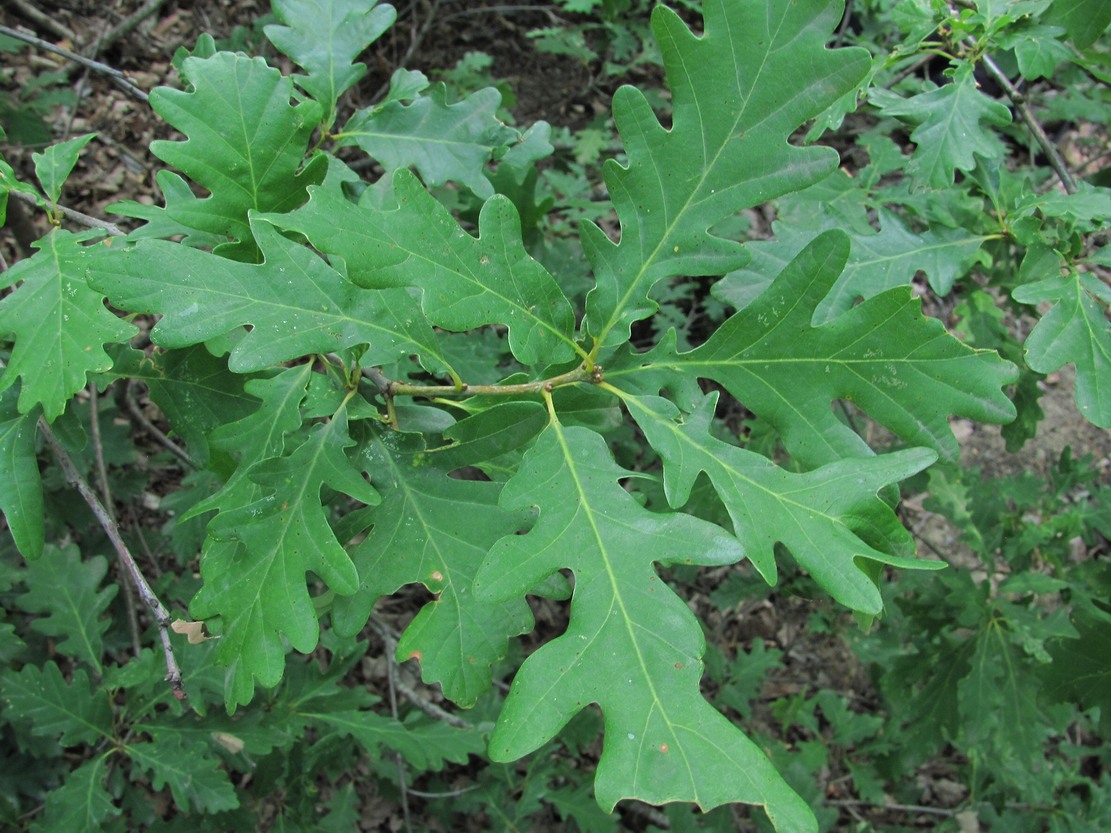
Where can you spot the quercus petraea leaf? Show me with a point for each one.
(245, 143)
(1076, 330)
(255, 565)
(951, 127)
(191, 771)
(74, 712)
(435, 530)
(425, 744)
(324, 37)
(632, 646)
(54, 165)
(80, 804)
(444, 142)
(21, 498)
(68, 590)
(465, 282)
(884, 356)
(60, 325)
(830, 519)
(738, 92)
(295, 303)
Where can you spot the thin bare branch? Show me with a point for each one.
(71, 214)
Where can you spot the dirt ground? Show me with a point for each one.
(429, 36)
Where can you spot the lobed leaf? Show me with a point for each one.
(60, 325)
(193, 774)
(254, 567)
(739, 92)
(884, 356)
(74, 712)
(324, 37)
(831, 519)
(434, 530)
(245, 144)
(465, 282)
(1075, 330)
(68, 591)
(81, 803)
(294, 302)
(632, 646)
(21, 498)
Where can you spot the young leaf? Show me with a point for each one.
(435, 530)
(54, 165)
(67, 589)
(738, 92)
(324, 37)
(949, 134)
(20, 482)
(246, 144)
(632, 646)
(830, 519)
(191, 771)
(295, 303)
(904, 369)
(444, 142)
(60, 325)
(466, 282)
(74, 713)
(254, 578)
(1075, 330)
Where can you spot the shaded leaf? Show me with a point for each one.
(73, 712)
(80, 804)
(68, 591)
(632, 646)
(434, 530)
(191, 771)
(1081, 669)
(426, 745)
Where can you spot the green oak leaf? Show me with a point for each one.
(434, 530)
(465, 282)
(191, 771)
(632, 646)
(877, 262)
(442, 141)
(74, 712)
(324, 37)
(68, 591)
(739, 91)
(427, 745)
(60, 325)
(295, 303)
(1085, 20)
(884, 356)
(255, 570)
(1075, 330)
(1081, 668)
(245, 144)
(949, 134)
(21, 498)
(830, 519)
(81, 803)
(54, 165)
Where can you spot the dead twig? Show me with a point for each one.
(154, 605)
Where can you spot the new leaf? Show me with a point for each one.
(632, 646)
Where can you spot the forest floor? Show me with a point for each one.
(431, 36)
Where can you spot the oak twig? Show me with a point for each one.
(72, 214)
(579, 374)
(117, 77)
(157, 609)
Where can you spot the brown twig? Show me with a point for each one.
(157, 609)
(1035, 127)
(71, 214)
(117, 77)
(44, 20)
(152, 429)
